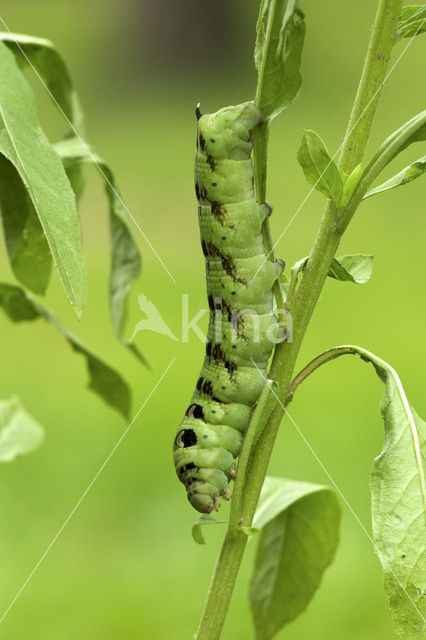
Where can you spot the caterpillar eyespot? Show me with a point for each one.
(210, 436)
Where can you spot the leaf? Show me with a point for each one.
(355, 268)
(54, 73)
(20, 433)
(46, 60)
(412, 21)
(280, 33)
(398, 491)
(197, 533)
(298, 266)
(29, 253)
(319, 168)
(413, 130)
(398, 495)
(350, 183)
(40, 169)
(410, 173)
(125, 256)
(19, 305)
(299, 537)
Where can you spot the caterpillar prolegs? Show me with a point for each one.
(243, 328)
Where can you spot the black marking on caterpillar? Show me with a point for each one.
(195, 411)
(210, 435)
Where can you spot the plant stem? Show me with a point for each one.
(261, 137)
(323, 358)
(302, 306)
(258, 421)
(373, 75)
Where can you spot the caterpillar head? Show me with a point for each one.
(227, 133)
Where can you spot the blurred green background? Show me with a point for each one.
(126, 566)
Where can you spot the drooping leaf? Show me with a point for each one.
(53, 70)
(280, 34)
(319, 169)
(408, 174)
(355, 268)
(412, 21)
(29, 254)
(23, 143)
(20, 305)
(202, 520)
(398, 492)
(20, 433)
(125, 256)
(299, 525)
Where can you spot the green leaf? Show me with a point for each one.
(299, 537)
(280, 34)
(398, 498)
(20, 433)
(319, 168)
(46, 60)
(413, 130)
(54, 73)
(19, 305)
(350, 183)
(29, 253)
(40, 169)
(412, 21)
(197, 533)
(398, 491)
(125, 256)
(355, 268)
(410, 173)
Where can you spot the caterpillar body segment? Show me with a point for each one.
(243, 328)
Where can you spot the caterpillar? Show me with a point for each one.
(243, 328)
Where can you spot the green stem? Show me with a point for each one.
(261, 137)
(258, 421)
(327, 356)
(260, 156)
(373, 75)
(302, 307)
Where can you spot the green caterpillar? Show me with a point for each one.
(243, 327)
